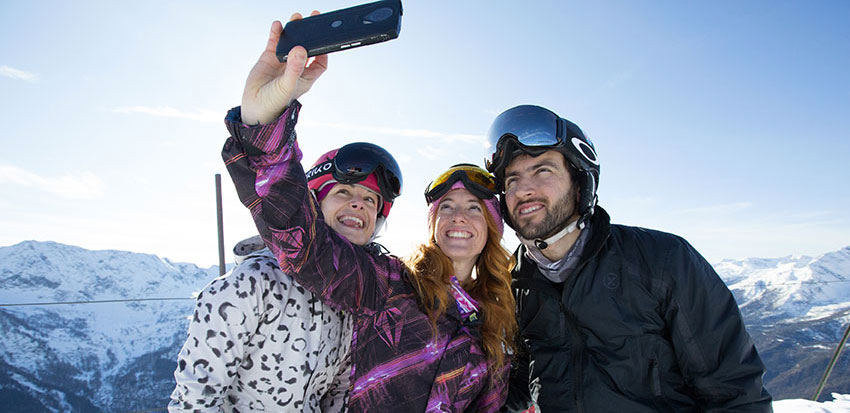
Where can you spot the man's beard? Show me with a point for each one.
(555, 219)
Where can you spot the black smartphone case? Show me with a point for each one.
(342, 29)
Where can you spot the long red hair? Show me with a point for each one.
(430, 272)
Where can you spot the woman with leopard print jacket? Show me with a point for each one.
(258, 341)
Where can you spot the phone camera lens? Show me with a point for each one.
(336, 23)
(378, 15)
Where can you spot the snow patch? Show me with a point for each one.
(840, 403)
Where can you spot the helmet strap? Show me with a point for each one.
(380, 224)
(542, 244)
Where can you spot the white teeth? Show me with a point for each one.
(355, 220)
(459, 234)
(529, 209)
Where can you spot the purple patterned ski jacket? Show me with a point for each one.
(398, 365)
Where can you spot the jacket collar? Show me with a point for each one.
(473, 321)
(600, 229)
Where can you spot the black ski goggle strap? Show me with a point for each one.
(528, 125)
(476, 180)
(355, 161)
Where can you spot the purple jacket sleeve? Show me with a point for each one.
(264, 163)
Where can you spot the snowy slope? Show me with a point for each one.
(839, 404)
(87, 349)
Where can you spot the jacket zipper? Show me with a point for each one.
(578, 371)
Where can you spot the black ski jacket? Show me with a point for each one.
(643, 325)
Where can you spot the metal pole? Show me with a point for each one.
(831, 364)
(220, 217)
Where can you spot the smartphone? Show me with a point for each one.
(342, 29)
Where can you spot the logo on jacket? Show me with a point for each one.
(611, 281)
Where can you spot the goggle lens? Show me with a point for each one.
(528, 125)
(477, 180)
(355, 161)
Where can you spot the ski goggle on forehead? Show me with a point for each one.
(476, 180)
(529, 125)
(354, 162)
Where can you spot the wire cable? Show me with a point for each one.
(98, 301)
(766, 284)
(127, 300)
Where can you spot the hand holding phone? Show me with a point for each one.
(272, 86)
(342, 29)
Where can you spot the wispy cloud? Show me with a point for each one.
(80, 185)
(18, 74)
(492, 112)
(644, 201)
(764, 236)
(445, 137)
(202, 115)
(430, 152)
(616, 80)
(716, 209)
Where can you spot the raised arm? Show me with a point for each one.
(264, 163)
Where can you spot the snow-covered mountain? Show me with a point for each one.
(107, 356)
(791, 288)
(796, 309)
(120, 355)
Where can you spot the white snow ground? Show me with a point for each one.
(840, 403)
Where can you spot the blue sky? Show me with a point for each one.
(725, 122)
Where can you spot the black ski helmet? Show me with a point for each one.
(533, 130)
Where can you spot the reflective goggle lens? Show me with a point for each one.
(477, 180)
(355, 161)
(530, 125)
